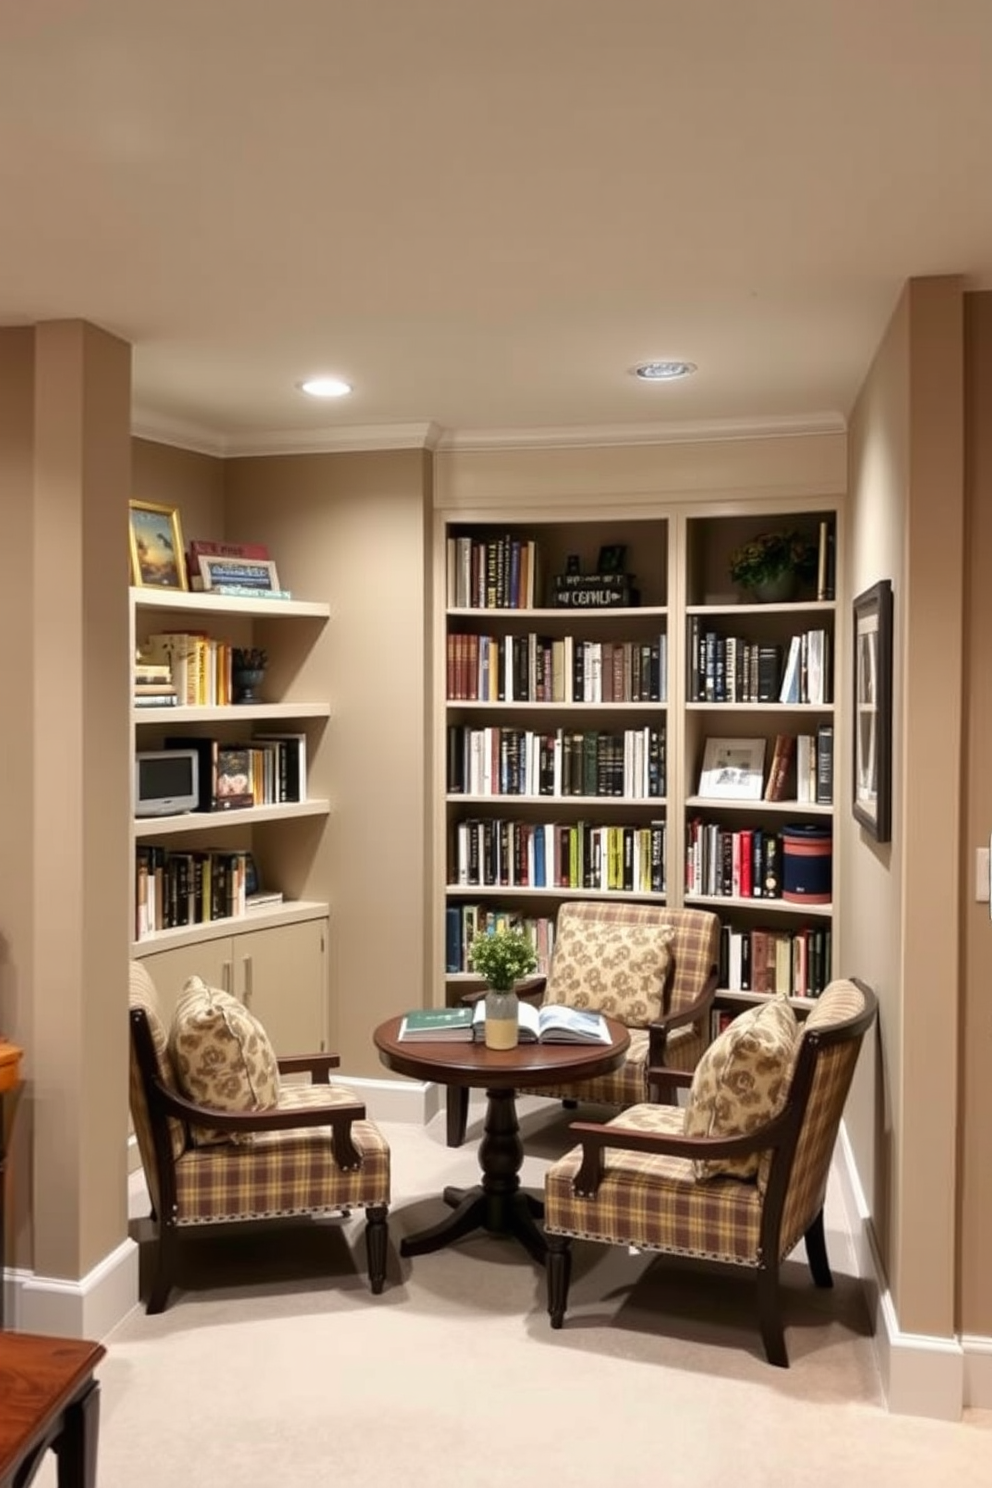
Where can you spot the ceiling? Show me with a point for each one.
(483, 213)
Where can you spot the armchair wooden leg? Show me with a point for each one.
(165, 1256)
(456, 1110)
(816, 1253)
(770, 1316)
(376, 1238)
(558, 1270)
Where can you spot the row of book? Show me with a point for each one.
(555, 669)
(567, 762)
(731, 669)
(175, 888)
(268, 770)
(493, 573)
(734, 864)
(796, 962)
(199, 665)
(495, 852)
(463, 922)
(802, 768)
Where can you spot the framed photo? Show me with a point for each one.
(872, 785)
(244, 574)
(156, 546)
(733, 769)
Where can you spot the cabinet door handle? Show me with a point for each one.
(225, 975)
(247, 979)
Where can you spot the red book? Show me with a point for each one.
(253, 552)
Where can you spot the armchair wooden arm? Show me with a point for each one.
(163, 1103)
(700, 1007)
(318, 1066)
(597, 1138)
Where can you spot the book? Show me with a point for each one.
(552, 1024)
(262, 898)
(233, 787)
(437, 1025)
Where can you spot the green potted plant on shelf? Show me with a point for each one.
(768, 567)
(501, 959)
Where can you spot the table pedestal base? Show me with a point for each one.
(498, 1205)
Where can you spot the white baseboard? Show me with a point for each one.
(921, 1375)
(89, 1308)
(395, 1100)
(977, 1371)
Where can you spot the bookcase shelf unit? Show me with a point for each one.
(679, 554)
(280, 948)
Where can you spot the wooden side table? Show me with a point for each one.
(10, 1078)
(49, 1399)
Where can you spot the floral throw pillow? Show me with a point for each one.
(741, 1081)
(222, 1057)
(616, 969)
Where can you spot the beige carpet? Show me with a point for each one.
(276, 1366)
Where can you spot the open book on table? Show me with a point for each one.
(552, 1024)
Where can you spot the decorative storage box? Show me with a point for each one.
(807, 864)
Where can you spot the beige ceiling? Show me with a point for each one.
(484, 212)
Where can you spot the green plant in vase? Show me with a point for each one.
(770, 566)
(502, 958)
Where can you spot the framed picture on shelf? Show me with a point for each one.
(258, 574)
(733, 769)
(872, 711)
(156, 541)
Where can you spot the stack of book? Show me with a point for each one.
(152, 686)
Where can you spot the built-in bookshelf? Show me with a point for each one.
(193, 909)
(576, 704)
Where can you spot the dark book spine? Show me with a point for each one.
(825, 764)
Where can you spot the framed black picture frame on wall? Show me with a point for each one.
(872, 711)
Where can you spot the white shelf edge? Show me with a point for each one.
(790, 607)
(501, 891)
(788, 808)
(760, 707)
(229, 713)
(220, 604)
(288, 913)
(467, 800)
(567, 612)
(726, 994)
(474, 704)
(764, 906)
(218, 821)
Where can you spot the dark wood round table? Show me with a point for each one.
(497, 1203)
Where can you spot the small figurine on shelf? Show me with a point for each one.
(248, 665)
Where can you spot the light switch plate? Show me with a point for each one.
(982, 875)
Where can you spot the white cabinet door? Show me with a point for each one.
(169, 970)
(281, 975)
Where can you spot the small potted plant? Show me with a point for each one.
(769, 567)
(502, 958)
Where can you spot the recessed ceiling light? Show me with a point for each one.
(663, 371)
(325, 387)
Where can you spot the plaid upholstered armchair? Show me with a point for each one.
(652, 967)
(739, 1175)
(258, 1149)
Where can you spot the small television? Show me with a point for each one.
(166, 782)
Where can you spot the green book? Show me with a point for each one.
(432, 1024)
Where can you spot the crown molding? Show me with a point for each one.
(147, 424)
(431, 436)
(691, 431)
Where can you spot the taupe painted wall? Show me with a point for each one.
(900, 902)
(353, 530)
(975, 1224)
(64, 442)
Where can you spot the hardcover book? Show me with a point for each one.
(433, 1025)
(553, 1024)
